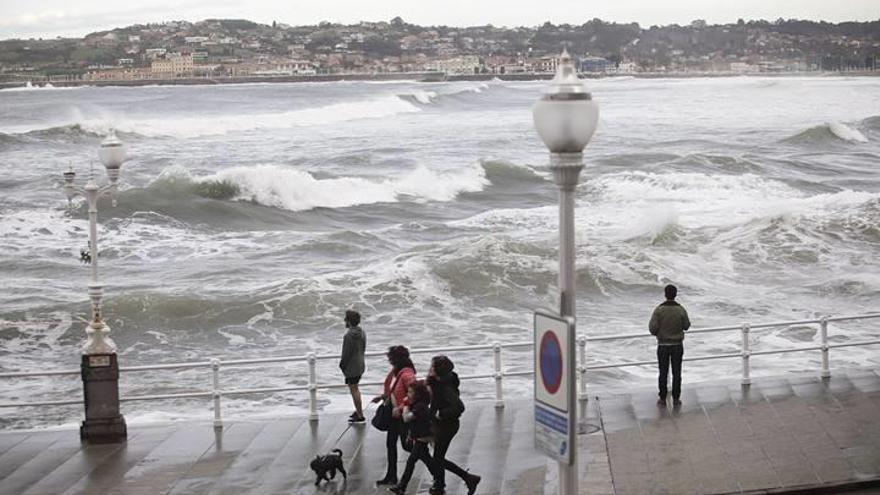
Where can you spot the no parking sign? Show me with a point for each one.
(554, 385)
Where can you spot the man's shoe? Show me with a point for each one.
(399, 490)
(661, 402)
(676, 402)
(436, 490)
(353, 415)
(357, 419)
(472, 481)
(386, 481)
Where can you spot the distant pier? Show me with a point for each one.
(796, 434)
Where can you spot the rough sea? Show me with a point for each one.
(250, 217)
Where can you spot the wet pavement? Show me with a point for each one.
(777, 434)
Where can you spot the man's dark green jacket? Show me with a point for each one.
(668, 323)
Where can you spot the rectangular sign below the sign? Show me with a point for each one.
(551, 434)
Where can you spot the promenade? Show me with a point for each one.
(780, 434)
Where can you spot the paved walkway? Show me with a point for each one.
(777, 434)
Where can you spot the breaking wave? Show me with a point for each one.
(826, 134)
(190, 127)
(46, 87)
(67, 133)
(295, 190)
(420, 97)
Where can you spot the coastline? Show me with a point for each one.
(429, 77)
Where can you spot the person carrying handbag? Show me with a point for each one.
(397, 382)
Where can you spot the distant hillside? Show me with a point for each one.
(820, 44)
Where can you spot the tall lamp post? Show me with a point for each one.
(100, 368)
(565, 118)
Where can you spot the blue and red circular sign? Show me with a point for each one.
(550, 357)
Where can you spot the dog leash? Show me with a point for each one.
(336, 442)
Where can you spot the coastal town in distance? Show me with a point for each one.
(230, 50)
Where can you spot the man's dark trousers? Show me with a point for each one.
(665, 355)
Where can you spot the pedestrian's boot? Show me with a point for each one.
(472, 481)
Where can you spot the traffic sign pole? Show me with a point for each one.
(555, 394)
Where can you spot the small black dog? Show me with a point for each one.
(323, 464)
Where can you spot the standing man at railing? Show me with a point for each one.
(668, 323)
(354, 344)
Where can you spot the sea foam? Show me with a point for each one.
(208, 125)
(297, 190)
(846, 133)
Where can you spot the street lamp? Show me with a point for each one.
(100, 368)
(565, 118)
(112, 154)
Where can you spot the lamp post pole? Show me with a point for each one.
(100, 368)
(565, 118)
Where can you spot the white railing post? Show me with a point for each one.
(313, 387)
(582, 366)
(823, 332)
(215, 371)
(499, 376)
(746, 353)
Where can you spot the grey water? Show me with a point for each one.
(251, 216)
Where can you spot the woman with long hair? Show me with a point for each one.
(397, 382)
(446, 408)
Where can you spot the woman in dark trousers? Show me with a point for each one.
(446, 408)
(401, 376)
(417, 417)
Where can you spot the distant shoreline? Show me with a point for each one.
(413, 76)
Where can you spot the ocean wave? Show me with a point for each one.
(871, 123)
(296, 190)
(827, 133)
(192, 126)
(495, 267)
(710, 200)
(375, 108)
(421, 97)
(502, 171)
(46, 87)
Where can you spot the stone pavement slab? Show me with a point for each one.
(778, 435)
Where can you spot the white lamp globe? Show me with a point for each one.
(112, 153)
(566, 115)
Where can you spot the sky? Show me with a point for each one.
(51, 18)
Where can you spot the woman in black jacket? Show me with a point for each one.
(446, 408)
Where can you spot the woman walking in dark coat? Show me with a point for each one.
(417, 417)
(402, 374)
(446, 408)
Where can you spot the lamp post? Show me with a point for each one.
(565, 118)
(100, 369)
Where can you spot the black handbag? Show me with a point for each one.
(382, 419)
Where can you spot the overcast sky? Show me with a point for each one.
(50, 18)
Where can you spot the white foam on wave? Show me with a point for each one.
(297, 190)
(424, 97)
(46, 87)
(632, 204)
(375, 108)
(846, 133)
(428, 97)
(51, 235)
(701, 200)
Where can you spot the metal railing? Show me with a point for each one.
(216, 393)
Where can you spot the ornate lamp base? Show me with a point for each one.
(103, 423)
